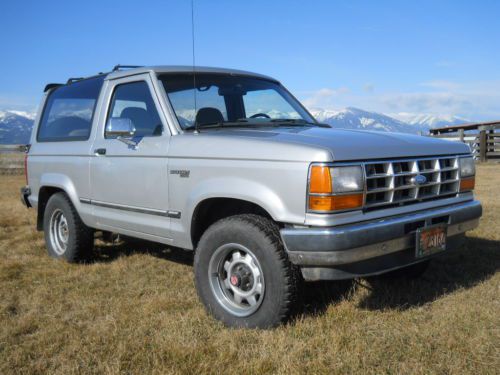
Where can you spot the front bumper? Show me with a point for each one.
(370, 247)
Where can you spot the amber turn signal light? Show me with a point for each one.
(320, 180)
(336, 202)
(467, 184)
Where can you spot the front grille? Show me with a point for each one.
(393, 182)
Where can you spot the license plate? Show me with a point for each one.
(430, 240)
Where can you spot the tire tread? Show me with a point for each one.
(292, 279)
(82, 244)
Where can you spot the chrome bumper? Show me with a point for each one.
(347, 244)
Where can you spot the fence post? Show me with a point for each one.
(482, 145)
(461, 134)
(491, 140)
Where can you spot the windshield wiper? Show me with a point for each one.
(209, 125)
(245, 123)
(219, 124)
(299, 122)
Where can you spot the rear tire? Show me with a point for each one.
(242, 273)
(66, 236)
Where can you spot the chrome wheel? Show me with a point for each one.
(236, 279)
(59, 232)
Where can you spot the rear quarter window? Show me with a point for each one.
(69, 111)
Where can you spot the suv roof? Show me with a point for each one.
(117, 73)
(181, 69)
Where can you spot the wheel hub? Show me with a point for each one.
(236, 279)
(59, 232)
(242, 277)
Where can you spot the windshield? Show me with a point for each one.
(223, 99)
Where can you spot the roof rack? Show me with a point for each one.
(70, 81)
(120, 67)
(74, 79)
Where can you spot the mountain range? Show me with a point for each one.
(355, 118)
(431, 121)
(15, 126)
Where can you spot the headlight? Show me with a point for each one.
(336, 188)
(467, 174)
(347, 179)
(467, 167)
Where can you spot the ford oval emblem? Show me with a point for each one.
(419, 179)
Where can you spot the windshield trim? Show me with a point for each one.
(299, 103)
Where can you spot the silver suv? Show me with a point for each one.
(230, 165)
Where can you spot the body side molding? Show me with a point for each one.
(142, 210)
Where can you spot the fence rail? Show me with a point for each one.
(12, 159)
(483, 138)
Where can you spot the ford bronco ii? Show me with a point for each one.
(230, 165)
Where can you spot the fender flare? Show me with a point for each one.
(64, 183)
(237, 188)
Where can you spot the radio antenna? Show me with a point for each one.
(196, 130)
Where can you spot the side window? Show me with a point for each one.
(134, 102)
(69, 110)
(207, 97)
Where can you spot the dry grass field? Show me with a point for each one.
(135, 311)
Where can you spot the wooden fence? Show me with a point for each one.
(483, 138)
(12, 159)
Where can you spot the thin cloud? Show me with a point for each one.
(16, 103)
(369, 87)
(441, 85)
(323, 97)
(428, 102)
(475, 101)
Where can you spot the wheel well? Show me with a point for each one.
(43, 197)
(211, 210)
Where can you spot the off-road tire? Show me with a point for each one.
(282, 279)
(80, 239)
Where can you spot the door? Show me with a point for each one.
(129, 184)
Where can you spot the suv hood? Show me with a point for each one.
(346, 144)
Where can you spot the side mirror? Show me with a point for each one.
(120, 127)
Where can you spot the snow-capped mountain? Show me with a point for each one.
(15, 127)
(354, 118)
(432, 121)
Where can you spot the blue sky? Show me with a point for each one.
(438, 57)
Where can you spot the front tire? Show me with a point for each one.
(242, 273)
(66, 236)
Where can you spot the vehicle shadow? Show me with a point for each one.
(475, 260)
(105, 252)
(317, 296)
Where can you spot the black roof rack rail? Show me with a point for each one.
(119, 67)
(70, 81)
(50, 86)
(74, 79)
